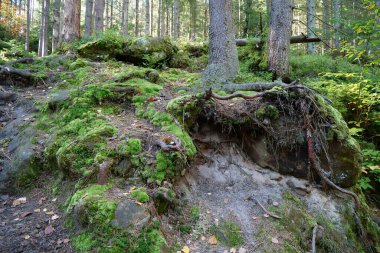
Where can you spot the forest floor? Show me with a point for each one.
(33, 223)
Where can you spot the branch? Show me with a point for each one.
(293, 40)
(313, 246)
(267, 212)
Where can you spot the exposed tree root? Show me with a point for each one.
(313, 242)
(266, 211)
(172, 145)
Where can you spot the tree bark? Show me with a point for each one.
(378, 18)
(111, 15)
(147, 17)
(248, 22)
(27, 29)
(71, 21)
(43, 41)
(336, 9)
(88, 18)
(159, 18)
(193, 19)
(223, 59)
(326, 22)
(137, 19)
(99, 15)
(125, 17)
(311, 24)
(279, 38)
(56, 20)
(176, 19)
(162, 17)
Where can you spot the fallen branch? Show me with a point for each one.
(174, 145)
(266, 211)
(293, 40)
(313, 242)
(314, 161)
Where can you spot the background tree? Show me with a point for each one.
(147, 17)
(311, 24)
(71, 21)
(125, 17)
(88, 21)
(56, 20)
(99, 15)
(44, 35)
(27, 29)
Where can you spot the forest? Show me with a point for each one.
(190, 126)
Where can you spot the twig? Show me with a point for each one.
(313, 246)
(267, 212)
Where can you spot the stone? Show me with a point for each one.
(58, 98)
(163, 198)
(299, 186)
(129, 214)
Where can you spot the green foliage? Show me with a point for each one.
(131, 147)
(371, 169)
(228, 233)
(140, 195)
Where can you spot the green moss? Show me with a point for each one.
(267, 111)
(140, 195)
(92, 191)
(83, 242)
(228, 233)
(79, 63)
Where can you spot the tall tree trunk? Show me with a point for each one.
(56, 20)
(88, 18)
(249, 19)
(43, 41)
(151, 18)
(206, 19)
(280, 30)
(27, 29)
(311, 24)
(137, 19)
(107, 13)
(326, 22)
(176, 10)
(378, 15)
(99, 15)
(125, 16)
(159, 18)
(193, 19)
(167, 29)
(223, 63)
(147, 17)
(71, 21)
(111, 15)
(336, 9)
(162, 18)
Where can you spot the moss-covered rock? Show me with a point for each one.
(163, 198)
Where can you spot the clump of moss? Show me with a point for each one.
(79, 63)
(140, 195)
(267, 111)
(228, 233)
(130, 147)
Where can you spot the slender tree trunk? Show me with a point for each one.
(147, 17)
(176, 19)
(223, 63)
(159, 18)
(162, 18)
(99, 15)
(326, 22)
(71, 21)
(336, 9)
(151, 18)
(248, 22)
(137, 19)
(378, 15)
(111, 15)
(27, 29)
(125, 16)
(193, 19)
(43, 41)
(88, 18)
(206, 19)
(56, 20)
(167, 29)
(107, 14)
(311, 24)
(279, 38)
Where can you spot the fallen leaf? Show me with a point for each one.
(66, 241)
(275, 240)
(242, 250)
(185, 249)
(212, 240)
(49, 229)
(24, 214)
(266, 215)
(19, 201)
(232, 250)
(45, 210)
(275, 203)
(37, 210)
(49, 213)
(26, 237)
(254, 217)
(203, 238)
(41, 200)
(54, 200)
(54, 217)
(17, 219)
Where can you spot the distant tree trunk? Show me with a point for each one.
(280, 30)
(137, 19)
(71, 21)
(107, 14)
(167, 29)
(223, 63)
(27, 29)
(99, 15)
(159, 18)
(43, 41)
(378, 17)
(249, 19)
(125, 16)
(147, 17)
(326, 22)
(162, 19)
(176, 10)
(111, 16)
(205, 25)
(336, 9)
(56, 20)
(193, 19)
(311, 24)
(88, 18)
(151, 18)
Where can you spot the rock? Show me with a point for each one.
(128, 214)
(299, 186)
(151, 52)
(7, 97)
(58, 98)
(163, 198)
(152, 76)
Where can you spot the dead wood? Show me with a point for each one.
(313, 242)
(173, 145)
(293, 40)
(266, 211)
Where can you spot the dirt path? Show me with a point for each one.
(32, 223)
